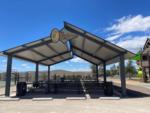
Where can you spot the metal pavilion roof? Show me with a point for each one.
(84, 45)
(93, 48)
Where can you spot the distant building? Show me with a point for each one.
(146, 58)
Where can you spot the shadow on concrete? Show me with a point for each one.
(134, 91)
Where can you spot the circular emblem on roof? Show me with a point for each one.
(55, 35)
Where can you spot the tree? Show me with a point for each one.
(114, 70)
(93, 68)
(16, 77)
(130, 69)
(100, 70)
(138, 58)
(0, 76)
(108, 72)
(44, 76)
(27, 76)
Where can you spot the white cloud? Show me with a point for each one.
(71, 65)
(113, 37)
(121, 32)
(53, 67)
(28, 67)
(4, 66)
(25, 66)
(97, 30)
(14, 68)
(84, 69)
(78, 60)
(130, 24)
(133, 43)
(3, 61)
(67, 62)
(81, 69)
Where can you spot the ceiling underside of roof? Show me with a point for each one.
(43, 51)
(94, 49)
(84, 45)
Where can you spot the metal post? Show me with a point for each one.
(122, 75)
(104, 72)
(97, 73)
(37, 73)
(8, 76)
(48, 73)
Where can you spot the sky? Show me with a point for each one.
(123, 22)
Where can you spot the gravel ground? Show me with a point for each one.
(139, 104)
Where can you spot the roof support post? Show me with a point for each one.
(8, 76)
(37, 73)
(48, 73)
(97, 73)
(104, 72)
(122, 75)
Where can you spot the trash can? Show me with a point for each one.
(108, 89)
(21, 88)
(35, 84)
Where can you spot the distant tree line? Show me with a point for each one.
(113, 71)
(130, 70)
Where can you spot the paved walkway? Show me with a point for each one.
(146, 85)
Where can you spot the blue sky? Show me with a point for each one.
(119, 21)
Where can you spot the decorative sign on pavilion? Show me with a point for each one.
(57, 35)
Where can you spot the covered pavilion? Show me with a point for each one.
(62, 45)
